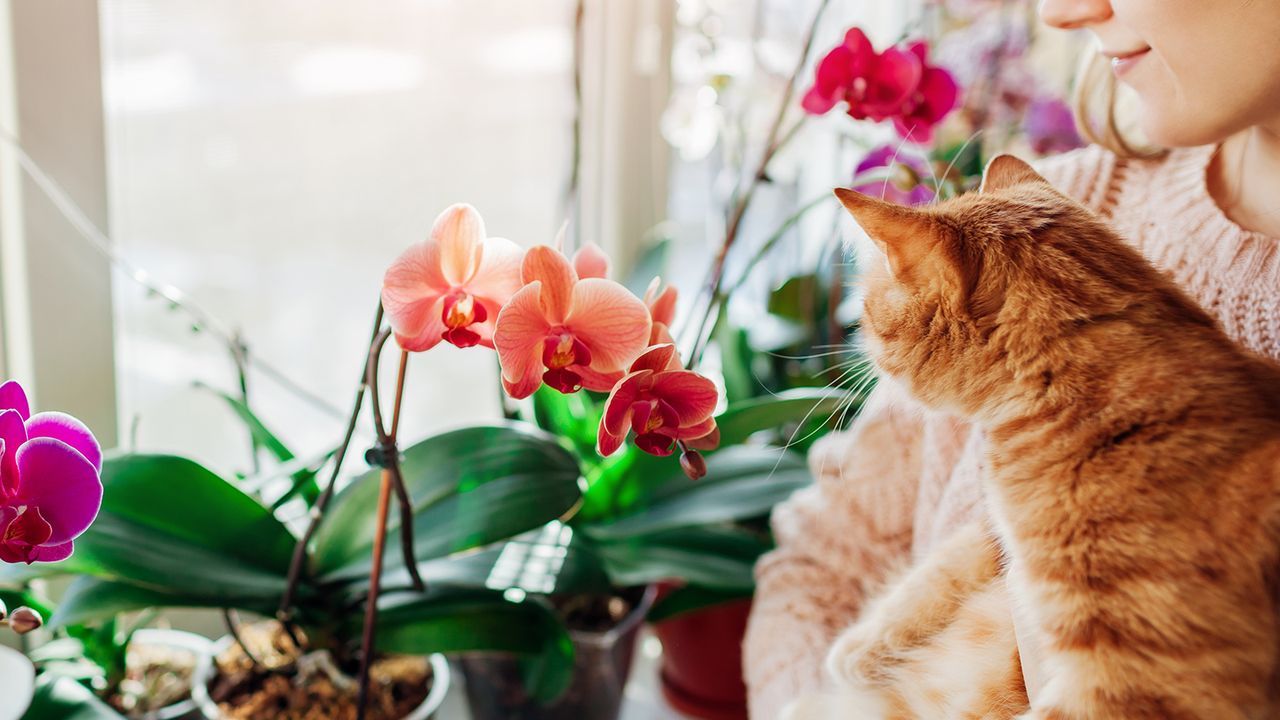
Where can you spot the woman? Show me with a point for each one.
(1206, 76)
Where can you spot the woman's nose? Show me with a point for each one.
(1071, 14)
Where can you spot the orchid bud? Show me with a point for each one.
(24, 620)
(694, 466)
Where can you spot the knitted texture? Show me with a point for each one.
(902, 478)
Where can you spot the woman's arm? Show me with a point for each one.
(837, 540)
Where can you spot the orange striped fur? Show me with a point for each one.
(1131, 480)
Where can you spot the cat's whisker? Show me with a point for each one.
(952, 165)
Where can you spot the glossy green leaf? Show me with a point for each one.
(713, 557)
(61, 698)
(459, 621)
(549, 560)
(469, 488)
(743, 419)
(170, 525)
(89, 600)
(742, 482)
(692, 598)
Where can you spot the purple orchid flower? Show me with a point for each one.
(893, 189)
(50, 489)
(1051, 127)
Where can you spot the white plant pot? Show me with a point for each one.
(206, 669)
(197, 645)
(17, 683)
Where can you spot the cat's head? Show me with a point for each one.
(977, 296)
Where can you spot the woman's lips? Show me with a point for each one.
(1123, 62)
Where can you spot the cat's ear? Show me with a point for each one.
(1005, 171)
(904, 234)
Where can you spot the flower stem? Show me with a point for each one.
(391, 479)
(283, 613)
(371, 605)
(775, 141)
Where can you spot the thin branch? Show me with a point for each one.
(233, 627)
(322, 502)
(774, 142)
(371, 607)
(201, 319)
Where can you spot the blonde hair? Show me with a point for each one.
(1097, 109)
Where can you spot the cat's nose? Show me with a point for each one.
(1072, 14)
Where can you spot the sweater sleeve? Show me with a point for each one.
(836, 541)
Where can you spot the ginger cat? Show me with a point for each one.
(1133, 476)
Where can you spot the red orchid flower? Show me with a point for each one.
(662, 308)
(567, 330)
(50, 491)
(451, 286)
(873, 84)
(933, 99)
(661, 403)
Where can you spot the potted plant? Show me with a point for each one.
(171, 533)
(142, 673)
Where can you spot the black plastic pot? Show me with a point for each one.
(602, 664)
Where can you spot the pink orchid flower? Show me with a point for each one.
(50, 491)
(661, 403)
(451, 286)
(932, 100)
(567, 330)
(874, 85)
(662, 308)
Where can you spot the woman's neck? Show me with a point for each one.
(1244, 179)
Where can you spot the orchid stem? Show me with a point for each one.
(371, 605)
(322, 502)
(389, 454)
(233, 627)
(775, 141)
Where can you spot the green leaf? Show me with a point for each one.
(457, 621)
(469, 488)
(742, 482)
(304, 480)
(14, 599)
(799, 299)
(550, 560)
(574, 417)
(61, 698)
(713, 557)
(90, 600)
(691, 598)
(170, 525)
(801, 405)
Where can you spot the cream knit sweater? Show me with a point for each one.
(896, 483)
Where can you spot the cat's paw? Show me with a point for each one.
(860, 655)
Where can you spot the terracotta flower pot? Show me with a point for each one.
(206, 670)
(702, 661)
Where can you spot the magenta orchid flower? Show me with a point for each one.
(661, 403)
(50, 490)
(936, 95)
(875, 85)
(451, 286)
(567, 330)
